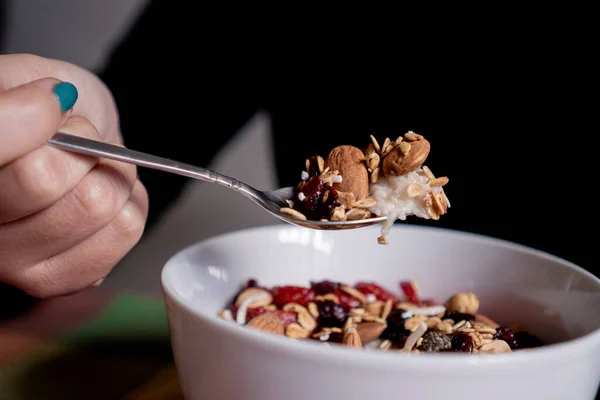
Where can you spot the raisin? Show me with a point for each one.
(506, 334)
(395, 331)
(318, 199)
(324, 287)
(457, 316)
(461, 342)
(525, 340)
(331, 314)
(517, 340)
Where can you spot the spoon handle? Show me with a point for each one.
(95, 148)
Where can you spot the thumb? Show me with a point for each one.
(31, 113)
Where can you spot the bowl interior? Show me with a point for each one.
(515, 284)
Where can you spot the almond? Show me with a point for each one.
(267, 322)
(370, 331)
(352, 338)
(404, 159)
(349, 161)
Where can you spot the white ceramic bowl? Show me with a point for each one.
(220, 360)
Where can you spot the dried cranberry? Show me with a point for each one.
(347, 301)
(324, 287)
(292, 294)
(253, 312)
(395, 330)
(379, 292)
(313, 167)
(461, 342)
(329, 201)
(410, 291)
(312, 193)
(331, 314)
(457, 316)
(318, 199)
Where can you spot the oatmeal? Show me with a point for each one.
(388, 180)
(367, 316)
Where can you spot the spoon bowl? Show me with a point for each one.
(271, 201)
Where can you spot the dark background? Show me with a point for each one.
(505, 99)
(505, 104)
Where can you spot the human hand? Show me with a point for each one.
(65, 219)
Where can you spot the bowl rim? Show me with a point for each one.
(562, 350)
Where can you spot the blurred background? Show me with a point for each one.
(517, 102)
(84, 32)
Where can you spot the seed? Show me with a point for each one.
(375, 144)
(292, 212)
(404, 148)
(428, 172)
(412, 136)
(375, 175)
(438, 182)
(366, 202)
(321, 163)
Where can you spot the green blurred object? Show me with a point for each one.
(120, 350)
(128, 317)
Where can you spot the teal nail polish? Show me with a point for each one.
(66, 93)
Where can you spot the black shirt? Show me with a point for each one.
(503, 106)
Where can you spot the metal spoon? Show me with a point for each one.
(271, 201)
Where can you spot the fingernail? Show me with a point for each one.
(66, 93)
(98, 282)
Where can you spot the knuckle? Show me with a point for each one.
(40, 176)
(129, 224)
(98, 199)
